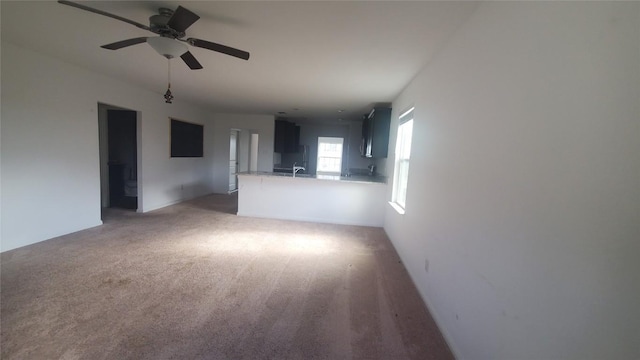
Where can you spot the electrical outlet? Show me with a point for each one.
(426, 265)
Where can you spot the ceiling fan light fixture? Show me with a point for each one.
(167, 47)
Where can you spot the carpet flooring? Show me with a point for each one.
(194, 281)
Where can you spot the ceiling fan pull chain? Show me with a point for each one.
(168, 97)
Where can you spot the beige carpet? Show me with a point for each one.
(194, 281)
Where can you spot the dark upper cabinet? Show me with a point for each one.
(286, 138)
(375, 133)
(365, 140)
(280, 134)
(296, 139)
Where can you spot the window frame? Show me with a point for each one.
(402, 160)
(330, 140)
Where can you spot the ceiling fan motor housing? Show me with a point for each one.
(159, 24)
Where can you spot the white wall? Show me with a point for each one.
(50, 157)
(263, 125)
(524, 187)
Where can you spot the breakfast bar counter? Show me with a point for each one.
(355, 200)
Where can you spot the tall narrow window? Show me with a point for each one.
(403, 155)
(329, 156)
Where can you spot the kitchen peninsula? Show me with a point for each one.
(356, 200)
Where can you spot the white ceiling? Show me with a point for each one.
(316, 56)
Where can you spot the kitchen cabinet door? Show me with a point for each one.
(375, 133)
(286, 137)
(280, 134)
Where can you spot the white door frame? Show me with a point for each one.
(234, 137)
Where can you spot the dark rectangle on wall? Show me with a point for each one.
(187, 139)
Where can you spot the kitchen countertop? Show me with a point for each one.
(352, 178)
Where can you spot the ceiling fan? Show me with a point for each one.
(170, 25)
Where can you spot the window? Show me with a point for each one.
(403, 154)
(329, 156)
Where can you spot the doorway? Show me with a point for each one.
(118, 157)
(233, 161)
(253, 152)
(243, 155)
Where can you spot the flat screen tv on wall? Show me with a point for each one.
(186, 139)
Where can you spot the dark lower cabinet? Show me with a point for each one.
(375, 133)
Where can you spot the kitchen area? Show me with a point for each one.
(310, 184)
(365, 143)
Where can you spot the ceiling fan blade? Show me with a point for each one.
(124, 43)
(182, 19)
(191, 61)
(104, 13)
(219, 48)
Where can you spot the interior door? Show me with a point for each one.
(233, 161)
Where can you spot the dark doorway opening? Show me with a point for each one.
(122, 159)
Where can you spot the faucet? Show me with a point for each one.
(297, 168)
